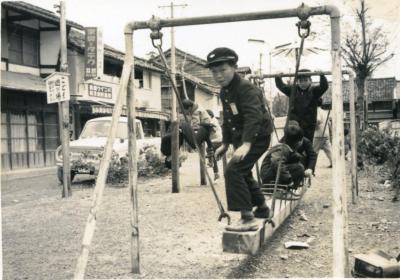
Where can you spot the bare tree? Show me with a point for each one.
(364, 51)
(280, 106)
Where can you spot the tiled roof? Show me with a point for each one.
(199, 82)
(378, 90)
(189, 56)
(77, 39)
(46, 15)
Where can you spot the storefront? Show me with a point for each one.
(29, 126)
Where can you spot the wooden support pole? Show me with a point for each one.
(203, 180)
(132, 161)
(353, 139)
(63, 107)
(105, 162)
(340, 252)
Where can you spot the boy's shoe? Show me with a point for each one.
(216, 176)
(244, 225)
(262, 213)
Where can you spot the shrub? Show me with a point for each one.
(150, 164)
(379, 147)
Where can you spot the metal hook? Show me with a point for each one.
(303, 25)
(224, 215)
(156, 35)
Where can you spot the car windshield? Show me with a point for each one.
(102, 129)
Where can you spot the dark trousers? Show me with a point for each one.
(215, 146)
(309, 133)
(242, 191)
(201, 135)
(296, 170)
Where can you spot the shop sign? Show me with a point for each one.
(57, 87)
(94, 53)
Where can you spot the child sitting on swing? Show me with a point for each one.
(297, 157)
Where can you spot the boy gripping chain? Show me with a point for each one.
(297, 158)
(200, 121)
(247, 126)
(304, 102)
(216, 140)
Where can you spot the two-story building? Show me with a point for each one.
(89, 99)
(194, 80)
(382, 102)
(30, 51)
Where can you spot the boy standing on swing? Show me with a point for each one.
(247, 126)
(303, 105)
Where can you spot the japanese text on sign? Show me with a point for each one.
(93, 53)
(57, 86)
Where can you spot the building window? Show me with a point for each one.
(139, 78)
(30, 131)
(23, 47)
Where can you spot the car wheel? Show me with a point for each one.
(60, 175)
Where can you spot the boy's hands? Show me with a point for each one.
(308, 173)
(241, 152)
(220, 151)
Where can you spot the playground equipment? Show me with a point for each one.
(340, 263)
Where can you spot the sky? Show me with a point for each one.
(199, 40)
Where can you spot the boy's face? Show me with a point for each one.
(304, 82)
(223, 73)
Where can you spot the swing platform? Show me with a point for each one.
(250, 242)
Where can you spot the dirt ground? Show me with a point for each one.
(180, 236)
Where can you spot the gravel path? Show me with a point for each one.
(180, 236)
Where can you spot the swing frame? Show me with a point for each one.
(340, 253)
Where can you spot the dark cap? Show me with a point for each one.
(221, 55)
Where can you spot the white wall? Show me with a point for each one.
(150, 97)
(207, 101)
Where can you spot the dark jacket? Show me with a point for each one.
(304, 103)
(244, 115)
(305, 154)
(271, 160)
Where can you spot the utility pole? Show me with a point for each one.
(174, 114)
(63, 106)
(361, 98)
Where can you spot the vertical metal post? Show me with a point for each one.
(132, 161)
(340, 253)
(63, 107)
(174, 118)
(353, 135)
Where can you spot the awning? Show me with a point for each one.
(140, 113)
(22, 81)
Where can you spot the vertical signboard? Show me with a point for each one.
(57, 87)
(94, 53)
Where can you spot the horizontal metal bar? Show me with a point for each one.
(316, 73)
(302, 12)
